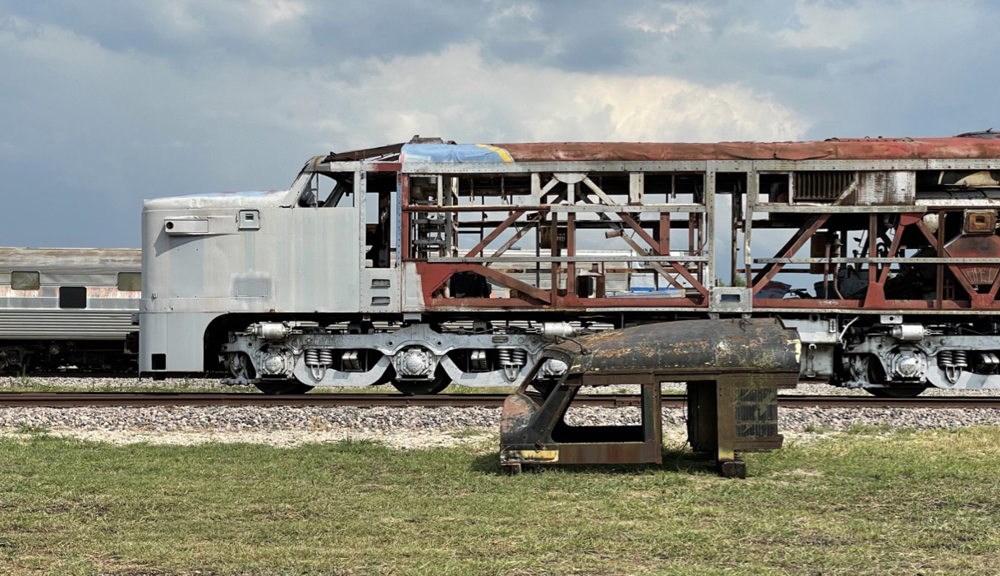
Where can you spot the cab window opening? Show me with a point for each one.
(328, 191)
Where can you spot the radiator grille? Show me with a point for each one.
(756, 412)
(824, 186)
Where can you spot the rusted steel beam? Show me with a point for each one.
(653, 244)
(496, 232)
(533, 220)
(434, 276)
(789, 249)
(978, 300)
(531, 259)
(904, 221)
(666, 302)
(855, 305)
(569, 303)
(554, 249)
(993, 289)
(571, 252)
(404, 249)
(664, 233)
(355, 155)
(479, 208)
(654, 265)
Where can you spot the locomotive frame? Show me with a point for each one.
(470, 259)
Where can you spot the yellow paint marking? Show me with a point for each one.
(536, 455)
(504, 155)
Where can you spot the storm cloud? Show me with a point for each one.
(107, 102)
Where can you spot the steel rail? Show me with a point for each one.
(70, 399)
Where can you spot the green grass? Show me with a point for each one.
(125, 384)
(861, 503)
(31, 429)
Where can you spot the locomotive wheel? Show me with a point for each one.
(408, 388)
(283, 387)
(897, 392)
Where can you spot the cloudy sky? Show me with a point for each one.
(106, 102)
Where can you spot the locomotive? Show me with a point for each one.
(62, 307)
(431, 262)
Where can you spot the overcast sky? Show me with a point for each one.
(106, 102)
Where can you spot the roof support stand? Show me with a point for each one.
(733, 370)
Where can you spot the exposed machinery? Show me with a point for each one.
(432, 262)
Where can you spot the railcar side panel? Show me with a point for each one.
(63, 307)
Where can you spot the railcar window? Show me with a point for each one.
(24, 280)
(73, 297)
(129, 281)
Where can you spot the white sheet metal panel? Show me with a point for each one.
(297, 260)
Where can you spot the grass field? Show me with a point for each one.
(860, 503)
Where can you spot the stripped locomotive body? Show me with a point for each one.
(69, 308)
(430, 262)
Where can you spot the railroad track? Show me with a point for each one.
(68, 399)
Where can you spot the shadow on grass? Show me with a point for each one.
(683, 461)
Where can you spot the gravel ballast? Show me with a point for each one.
(409, 427)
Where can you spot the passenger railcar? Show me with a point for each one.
(69, 307)
(432, 262)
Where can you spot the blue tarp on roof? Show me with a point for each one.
(454, 153)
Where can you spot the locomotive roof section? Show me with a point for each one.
(957, 148)
(43, 259)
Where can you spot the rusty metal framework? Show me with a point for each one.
(571, 235)
(549, 212)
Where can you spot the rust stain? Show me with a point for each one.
(833, 149)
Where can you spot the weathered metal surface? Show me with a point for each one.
(366, 154)
(76, 260)
(888, 187)
(972, 246)
(534, 432)
(691, 347)
(718, 358)
(834, 149)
